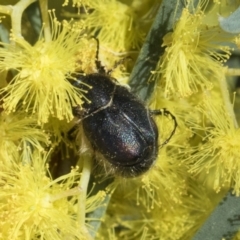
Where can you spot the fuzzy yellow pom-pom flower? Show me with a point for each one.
(192, 61)
(41, 84)
(116, 23)
(169, 220)
(165, 176)
(218, 155)
(77, 3)
(35, 206)
(20, 136)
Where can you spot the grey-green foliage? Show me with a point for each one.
(231, 24)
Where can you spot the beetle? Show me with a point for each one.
(117, 124)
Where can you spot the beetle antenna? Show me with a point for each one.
(99, 66)
(166, 113)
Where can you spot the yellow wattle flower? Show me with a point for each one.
(76, 3)
(191, 61)
(217, 157)
(41, 84)
(116, 25)
(19, 137)
(34, 205)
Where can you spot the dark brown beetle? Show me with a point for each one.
(117, 123)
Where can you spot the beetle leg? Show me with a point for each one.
(166, 113)
(79, 112)
(71, 133)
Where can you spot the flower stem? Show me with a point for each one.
(232, 72)
(83, 185)
(69, 193)
(16, 16)
(45, 19)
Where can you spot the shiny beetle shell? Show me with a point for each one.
(118, 125)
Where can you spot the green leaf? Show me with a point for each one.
(224, 221)
(152, 50)
(231, 24)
